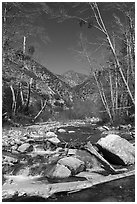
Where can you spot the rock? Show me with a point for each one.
(89, 147)
(95, 120)
(117, 150)
(61, 130)
(90, 175)
(115, 132)
(24, 172)
(60, 149)
(74, 164)
(72, 151)
(54, 140)
(5, 144)
(30, 140)
(24, 138)
(38, 152)
(59, 171)
(49, 146)
(101, 128)
(9, 160)
(51, 143)
(18, 142)
(12, 143)
(54, 158)
(50, 134)
(26, 147)
(15, 152)
(125, 127)
(90, 160)
(71, 131)
(35, 137)
(14, 147)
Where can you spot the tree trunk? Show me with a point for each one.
(102, 95)
(13, 101)
(40, 111)
(24, 44)
(5, 13)
(107, 107)
(112, 94)
(102, 27)
(116, 93)
(20, 98)
(28, 97)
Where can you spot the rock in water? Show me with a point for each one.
(61, 130)
(50, 134)
(71, 131)
(54, 140)
(117, 150)
(74, 164)
(51, 143)
(26, 147)
(59, 171)
(90, 160)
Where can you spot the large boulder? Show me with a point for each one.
(59, 171)
(26, 147)
(75, 165)
(117, 150)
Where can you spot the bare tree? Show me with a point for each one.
(102, 27)
(119, 77)
(97, 22)
(41, 110)
(99, 84)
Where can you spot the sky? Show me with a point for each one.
(60, 53)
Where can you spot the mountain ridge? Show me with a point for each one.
(44, 82)
(73, 78)
(45, 86)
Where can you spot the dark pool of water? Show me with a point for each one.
(86, 133)
(80, 134)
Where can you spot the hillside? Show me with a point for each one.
(86, 89)
(73, 78)
(45, 85)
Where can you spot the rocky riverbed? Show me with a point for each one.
(49, 158)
